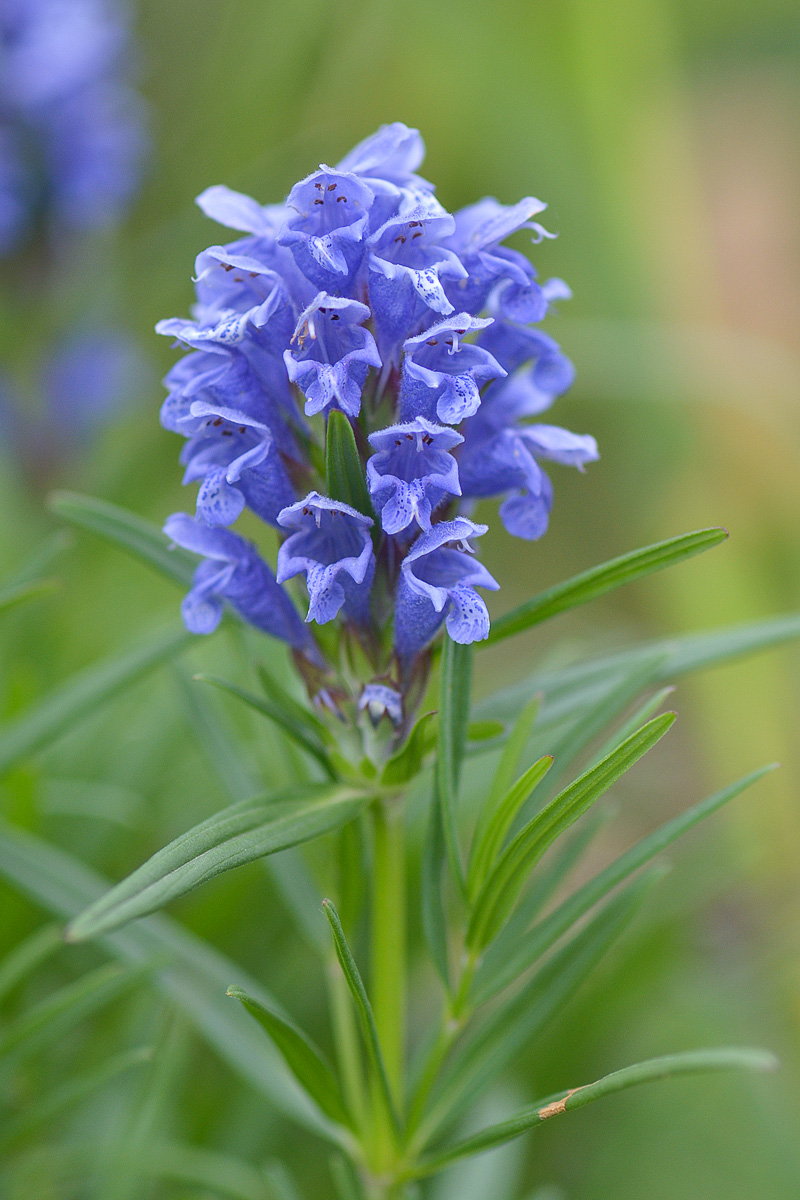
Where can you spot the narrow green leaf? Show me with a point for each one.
(485, 731)
(604, 578)
(67, 1097)
(637, 718)
(502, 887)
(486, 846)
(508, 1028)
(20, 593)
(359, 993)
(303, 1058)
(282, 1183)
(82, 694)
(299, 712)
(509, 759)
(126, 530)
(580, 686)
(434, 921)
(345, 1180)
(282, 717)
(691, 1062)
(193, 978)
(408, 761)
(41, 559)
(27, 956)
(239, 834)
(454, 705)
(496, 975)
(52, 1017)
(206, 1169)
(344, 472)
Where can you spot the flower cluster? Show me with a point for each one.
(71, 133)
(362, 294)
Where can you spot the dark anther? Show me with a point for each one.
(432, 342)
(318, 201)
(461, 331)
(242, 429)
(409, 437)
(417, 234)
(218, 421)
(401, 238)
(449, 342)
(427, 440)
(254, 274)
(226, 266)
(414, 224)
(339, 198)
(334, 316)
(307, 511)
(237, 279)
(331, 187)
(323, 310)
(397, 442)
(319, 186)
(227, 433)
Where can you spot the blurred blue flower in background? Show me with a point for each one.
(71, 128)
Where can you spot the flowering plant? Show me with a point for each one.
(362, 368)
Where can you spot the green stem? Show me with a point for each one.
(388, 961)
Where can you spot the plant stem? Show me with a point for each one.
(388, 975)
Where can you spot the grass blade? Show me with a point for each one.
(52, 1017)
(82, 694)
(69, 1095)
(126, 530)
(193, 976)
(494, 976)
(434, 921)
(20, 593)
(359, 993)
(239, 834)
(604, 578)
(503, 885)
(691, 1062)
(27, 956)
(302, 1057)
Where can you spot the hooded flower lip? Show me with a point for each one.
(236, 458)
(479, 230)
(412, 472)
(442, 376)
(327, 226)
(406, 264)
(438, 581)
(380, 700)
(387, 161)
(233, 570)
(235, 210)
(332, 545)
(331, 354)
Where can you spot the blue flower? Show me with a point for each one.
(412, 472)
(332, 354)
(479, 230)
(438, 578)
(71, 129)
(379, 701)
(442, 376)
(501, 451)
(333, 547)
(233, 571)
(387, 161)
(406, 264)
(328, 226)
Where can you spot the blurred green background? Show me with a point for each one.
(663, 136)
